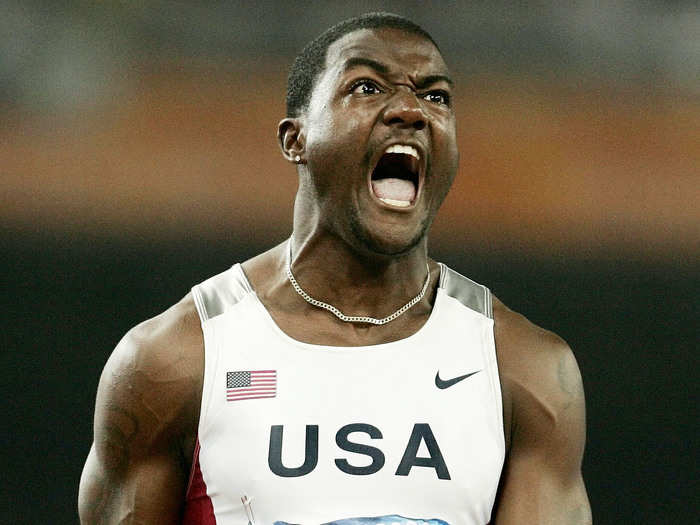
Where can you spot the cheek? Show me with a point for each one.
(336, 143)
(445, 144)
(336, 157)
(445, 160)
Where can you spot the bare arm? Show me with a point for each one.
(145, 423)
(542, 481)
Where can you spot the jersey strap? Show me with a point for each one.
(215, 295)
(472, 295)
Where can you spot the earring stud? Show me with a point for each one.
(297, 159)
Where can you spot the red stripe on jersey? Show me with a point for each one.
(251, 397)
(198, 507)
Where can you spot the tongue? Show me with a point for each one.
(394, 189)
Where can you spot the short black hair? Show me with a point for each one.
(312, 60)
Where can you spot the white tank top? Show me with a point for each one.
(294, 433)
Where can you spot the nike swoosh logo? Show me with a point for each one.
(446, 383)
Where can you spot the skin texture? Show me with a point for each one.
(375, 256)
(544, 419)
(145, 422)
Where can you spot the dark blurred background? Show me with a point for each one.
(138, 157)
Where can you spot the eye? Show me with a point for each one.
(438, 97)
(365, 87)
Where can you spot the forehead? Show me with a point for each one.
(402, 51)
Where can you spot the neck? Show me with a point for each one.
(356, 282)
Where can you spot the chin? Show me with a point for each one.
(388, 242)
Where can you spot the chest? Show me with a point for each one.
(317, 434)
(321, 328)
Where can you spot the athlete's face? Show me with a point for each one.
(380, 142)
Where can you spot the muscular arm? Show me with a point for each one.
(145, 423)
(544, 401)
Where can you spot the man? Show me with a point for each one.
(343, 376)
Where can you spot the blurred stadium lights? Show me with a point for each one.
(578, 122)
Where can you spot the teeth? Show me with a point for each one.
(400, 204)
(401, 148)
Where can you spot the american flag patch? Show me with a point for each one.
(251, 384)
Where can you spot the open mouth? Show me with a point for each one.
(395, 177)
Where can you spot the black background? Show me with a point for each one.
(68, 301)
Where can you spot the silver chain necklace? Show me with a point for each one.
(353, 318)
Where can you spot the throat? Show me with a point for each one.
(355, 318)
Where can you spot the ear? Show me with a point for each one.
(291, 140)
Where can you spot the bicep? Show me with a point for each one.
(149, 491)
(542, 482)
(531, 493)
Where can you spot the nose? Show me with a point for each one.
(404, 110)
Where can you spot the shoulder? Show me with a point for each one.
(540, 379)
(150, 387)
(165, 350)
(527, 352)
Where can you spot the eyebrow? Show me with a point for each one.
(362, 61)
(433, 79)
(383, 69)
